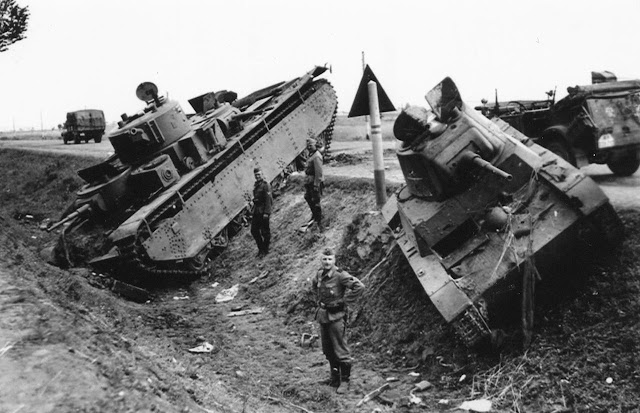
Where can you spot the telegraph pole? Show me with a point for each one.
(376, 141)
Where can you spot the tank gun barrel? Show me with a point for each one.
(257, 95)
(468, 156)
(86, 208)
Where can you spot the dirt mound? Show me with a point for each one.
(72, 344)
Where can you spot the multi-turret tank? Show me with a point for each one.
(178, 185)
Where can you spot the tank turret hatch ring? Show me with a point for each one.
(147, 91)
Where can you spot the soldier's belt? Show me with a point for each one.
(332, 308)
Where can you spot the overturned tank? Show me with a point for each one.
(179, 185)
(483, 209)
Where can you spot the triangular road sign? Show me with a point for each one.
(360, 106)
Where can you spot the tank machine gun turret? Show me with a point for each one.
(177, 183)
(481, 204)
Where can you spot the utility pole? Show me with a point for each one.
(376, 141)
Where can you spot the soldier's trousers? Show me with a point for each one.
(261, 232)
(312, 196)
(334, 345)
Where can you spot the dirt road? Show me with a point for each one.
(623, 191)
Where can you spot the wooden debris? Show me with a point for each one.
(257, 310)
(373, 394)
(259, 277)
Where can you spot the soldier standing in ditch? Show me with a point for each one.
(334, 290)
(262, 204)
(314, 181)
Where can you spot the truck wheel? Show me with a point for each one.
(97, 138)
(625, 166)
(561, 150)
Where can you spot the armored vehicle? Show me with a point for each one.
(84, 125)
(483, 209)
(178, 184)
(597, 123)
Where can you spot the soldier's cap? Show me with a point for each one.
(257, 169)
(311, 141)
(328, 251)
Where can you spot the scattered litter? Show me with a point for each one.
(184, 297)
(257, 310)
(227, 295)
(480, 405)
(444, 402)
(215, 284)
(308, 340)
(28, 216)
(373, 394)
(423, 385)
(33, 237)
(391, 379)
(413, 399)
(240, 374)
(414, 374)
(202, 348)
(462, 378)
(259, 277)
(609, 380)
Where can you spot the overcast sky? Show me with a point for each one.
(93, 53)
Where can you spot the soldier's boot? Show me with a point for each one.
(334, 381)
(334, 378)
(345, 378)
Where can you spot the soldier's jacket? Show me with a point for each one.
(262, 199)
(335, 291)
(313, 169)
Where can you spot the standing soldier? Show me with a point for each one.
(334, 290)
(262, 201)
(314, 182)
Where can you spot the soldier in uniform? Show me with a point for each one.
(262, 202)
(314, 181)
(334, 290)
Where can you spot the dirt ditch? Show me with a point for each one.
(69, 344)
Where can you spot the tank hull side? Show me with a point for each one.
(206, 212)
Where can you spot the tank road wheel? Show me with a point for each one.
(201, 262)
(625, 165)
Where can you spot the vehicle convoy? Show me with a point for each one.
(178, 185)
(84, 125)
(597, 123)
(483, 209)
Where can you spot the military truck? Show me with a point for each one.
(597, 123)
(84, 125)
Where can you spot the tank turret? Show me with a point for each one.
(481, 202)
(179, 185)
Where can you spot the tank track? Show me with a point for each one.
(132, 254)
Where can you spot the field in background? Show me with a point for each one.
(355, 129)
(31, 135)
(345, 129)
